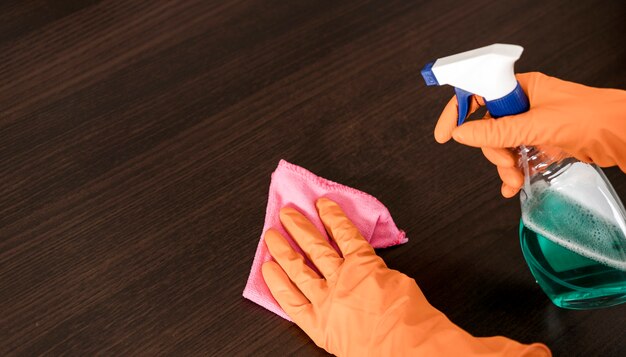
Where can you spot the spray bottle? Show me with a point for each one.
(573, 224)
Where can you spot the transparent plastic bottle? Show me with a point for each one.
(572, 231)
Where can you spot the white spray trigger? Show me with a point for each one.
(487, 72)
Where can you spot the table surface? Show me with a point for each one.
(138, 139)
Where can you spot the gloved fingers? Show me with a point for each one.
(583, 157)
(525, 78)
(506, 163)
(500, 157)
(505, 132)
(313, 243)
(604, 161)
(344, 232)
(293, 264)
(597, 154)
(497, 343)
(508, 191)
(512, 180)
(446, 122)
(512, 177)
(288, 296)
(449, 116)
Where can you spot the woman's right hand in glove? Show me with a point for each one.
(585, 122)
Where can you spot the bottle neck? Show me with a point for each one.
(544, 163)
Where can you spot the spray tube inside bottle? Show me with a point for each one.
(573, 226)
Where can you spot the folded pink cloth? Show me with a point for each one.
(297, 187)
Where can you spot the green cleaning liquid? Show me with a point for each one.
(577, 256)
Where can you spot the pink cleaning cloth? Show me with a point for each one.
(299, 188)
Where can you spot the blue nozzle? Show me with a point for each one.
(428, 75)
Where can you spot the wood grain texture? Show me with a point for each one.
(138, 138)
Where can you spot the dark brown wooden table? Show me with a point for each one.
(137, 140)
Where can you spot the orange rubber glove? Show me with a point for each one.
(358, 306)
(585, 122)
